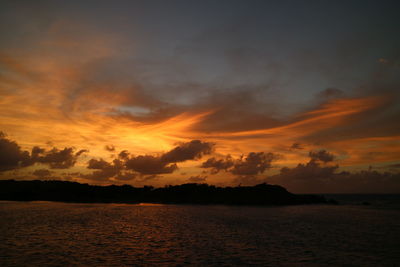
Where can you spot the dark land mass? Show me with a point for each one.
(262, 194)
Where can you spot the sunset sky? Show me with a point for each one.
(305, 94)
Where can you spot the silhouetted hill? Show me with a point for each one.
(262, 194)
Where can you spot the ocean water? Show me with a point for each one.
(67, 234)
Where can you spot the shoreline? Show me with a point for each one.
(193, 194)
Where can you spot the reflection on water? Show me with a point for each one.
(61, 234)
(150, 204)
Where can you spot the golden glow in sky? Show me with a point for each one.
(105, 91)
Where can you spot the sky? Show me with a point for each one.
(304, 94)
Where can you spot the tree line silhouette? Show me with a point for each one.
(262, 194)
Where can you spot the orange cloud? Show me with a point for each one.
(51, 99)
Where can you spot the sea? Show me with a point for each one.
(364, 230)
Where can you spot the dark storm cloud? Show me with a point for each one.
(217, 165)
(316, 168)
(192, 150)
(11, 155)
(166, 163)
(310, 170)
(127, 167)
(318, 176)
(321, 155)
(56, 158)
(148, 164)
(98, 164)
(105, 170)
(254, 163)
(314, 177)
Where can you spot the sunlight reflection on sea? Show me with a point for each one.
(65, 234)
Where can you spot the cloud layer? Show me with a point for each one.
(321, 174)
(254, 163)
(135, 92)
(12, 157)
(128, 167)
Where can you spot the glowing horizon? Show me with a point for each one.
(70, 80)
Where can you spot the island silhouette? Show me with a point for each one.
(191, 193)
